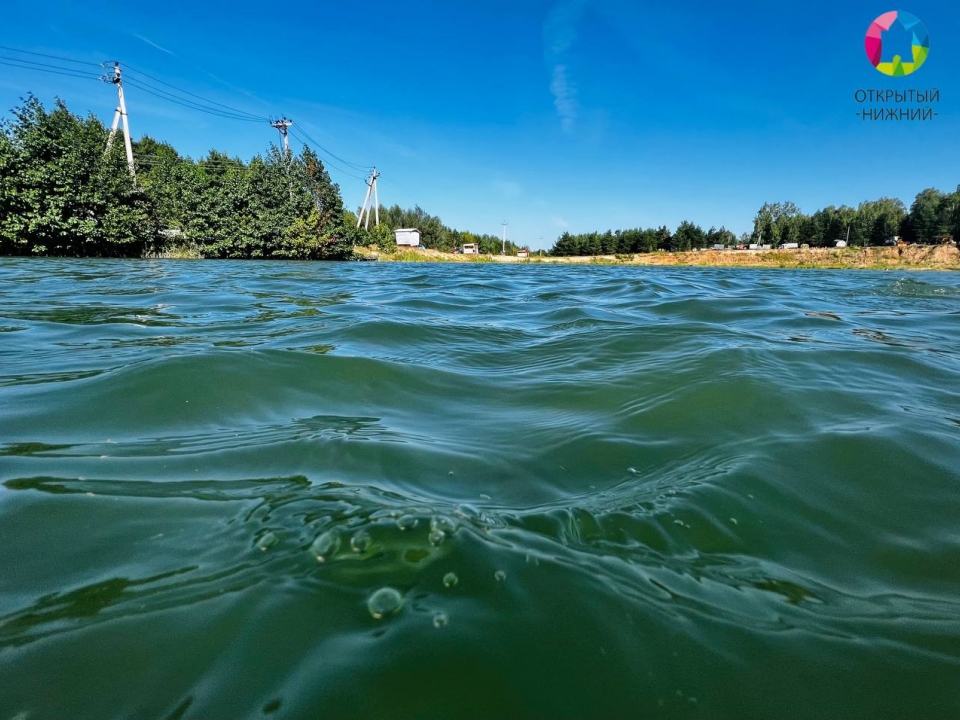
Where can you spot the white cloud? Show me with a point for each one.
(564, 98)
(150, 42)
(559, 33)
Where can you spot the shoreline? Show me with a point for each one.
(911, 257)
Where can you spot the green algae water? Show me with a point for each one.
(285, 490)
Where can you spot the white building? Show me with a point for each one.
(409, 237)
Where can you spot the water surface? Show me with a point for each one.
(599, 491)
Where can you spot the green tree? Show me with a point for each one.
(930, 216)
(60, 194)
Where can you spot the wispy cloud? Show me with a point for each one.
(151, 43)
(559, 33)
(564, 97)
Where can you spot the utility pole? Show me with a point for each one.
(117, 79)
(282, 124)
(371, 190)
(503, 250)
(541, 246)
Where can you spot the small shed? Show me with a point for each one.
(469, 249)
(522, 253)
(409, 237)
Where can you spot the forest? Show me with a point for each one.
(62, 193)
(933, 217)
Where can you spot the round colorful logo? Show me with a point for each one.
(887, 38)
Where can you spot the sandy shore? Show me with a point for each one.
(939, 257)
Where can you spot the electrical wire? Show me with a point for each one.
(210, 107)
(320, 147)
(232, 110)
(169, 97)
(51, 57)
(328, 163)
(44, 67)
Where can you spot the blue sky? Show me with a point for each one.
(553, 115)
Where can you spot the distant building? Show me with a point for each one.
(718, 247)
(789, 246)
(753, 246)
(409, 237)
(469, 249)
(523, 253)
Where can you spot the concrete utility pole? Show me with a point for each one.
(117, 79)
(282, 124)
(371, 190)
(503, 250)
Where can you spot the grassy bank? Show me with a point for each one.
(914, 257)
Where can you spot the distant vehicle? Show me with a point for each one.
(753, 246)
(470, 249)
(893, 241)
(718, 247)
(789, 246)
(841, 243)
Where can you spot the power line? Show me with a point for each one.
(44, 67)
(169, 97)
(51, 57)
(210, 107)
(345, 162)
(328, 162)
(233, 110)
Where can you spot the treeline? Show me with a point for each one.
(686, 237)
(933, 217)
(62, 194)
(437, 236)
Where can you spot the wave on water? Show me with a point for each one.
(300, 489)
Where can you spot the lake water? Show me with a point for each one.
(610, 492)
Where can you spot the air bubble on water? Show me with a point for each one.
(442, 522)
(406, 522)
(326, 545)
(450, 473)
(267, 541)
(633, 471)
(385, 601)
(734, 521)
(468, 511)
(440, 620)
(678, 522)
(484, 496)
(436, 537)
(361, 541)
(450, 579)
(750, 496)
(499, 576)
